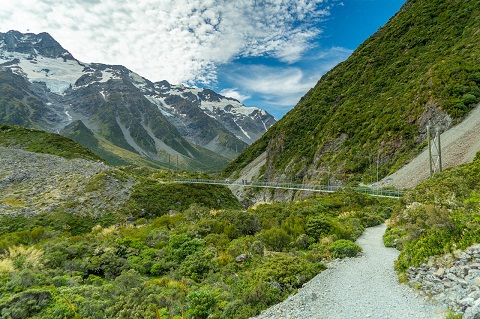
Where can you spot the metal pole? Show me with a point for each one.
(378, 160)
(429, 151)
(439, 150)
(328, 179)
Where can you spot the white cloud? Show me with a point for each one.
(176, 40)
(279, 88)
(234, 93)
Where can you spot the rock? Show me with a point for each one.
(473, 312)
(241, 258)
(476, 281)
(439, 273)
(467, 302)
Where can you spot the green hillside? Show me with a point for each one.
(422, 67)
(43, 142)
(18, 104)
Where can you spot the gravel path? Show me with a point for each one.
(364, 287)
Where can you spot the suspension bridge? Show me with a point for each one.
(380, 192)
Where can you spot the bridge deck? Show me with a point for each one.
(299, 187)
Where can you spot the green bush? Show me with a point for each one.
(201, 304)
(181, 246)
(289, 272)
(151, 198)
(197, 265)
(25, 304)
(275, 238)
(344, 248)
(318, 227)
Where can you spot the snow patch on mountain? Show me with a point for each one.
(108, 74)
(162, 106)
(241, 128)
(58, 74)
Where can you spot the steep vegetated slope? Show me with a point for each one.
(440, 215)
(422, 68)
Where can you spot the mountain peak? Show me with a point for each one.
(149, 120)
(33, 44)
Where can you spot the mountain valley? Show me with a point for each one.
(126, 118)
(94, 222)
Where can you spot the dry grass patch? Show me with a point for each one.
(20, 257)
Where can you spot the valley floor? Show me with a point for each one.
(364, 287)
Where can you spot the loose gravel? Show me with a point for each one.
(33, 183)
(362, 287)
(460, 144)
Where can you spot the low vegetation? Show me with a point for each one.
(43, 142)
(201, 261)
(439, 216)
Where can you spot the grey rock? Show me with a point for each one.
(241, 258)
(473, 312)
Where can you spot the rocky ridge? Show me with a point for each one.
(32, 183)
(452, 279)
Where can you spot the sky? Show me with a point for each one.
(265, 53)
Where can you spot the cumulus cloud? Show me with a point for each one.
(177, 40)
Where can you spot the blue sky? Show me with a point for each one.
(277, 86)
(266, 53)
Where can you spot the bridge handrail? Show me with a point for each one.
(322, 188)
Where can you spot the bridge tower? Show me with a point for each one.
(434, 151)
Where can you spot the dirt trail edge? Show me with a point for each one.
(363, 287)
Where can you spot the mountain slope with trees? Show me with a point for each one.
(421, 68)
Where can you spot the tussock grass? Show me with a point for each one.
(20, 257)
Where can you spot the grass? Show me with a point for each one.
(13, 202)
(43, 142)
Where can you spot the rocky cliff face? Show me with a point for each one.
(44, 86)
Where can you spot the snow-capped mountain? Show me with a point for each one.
(53, 91)
(247, 123)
